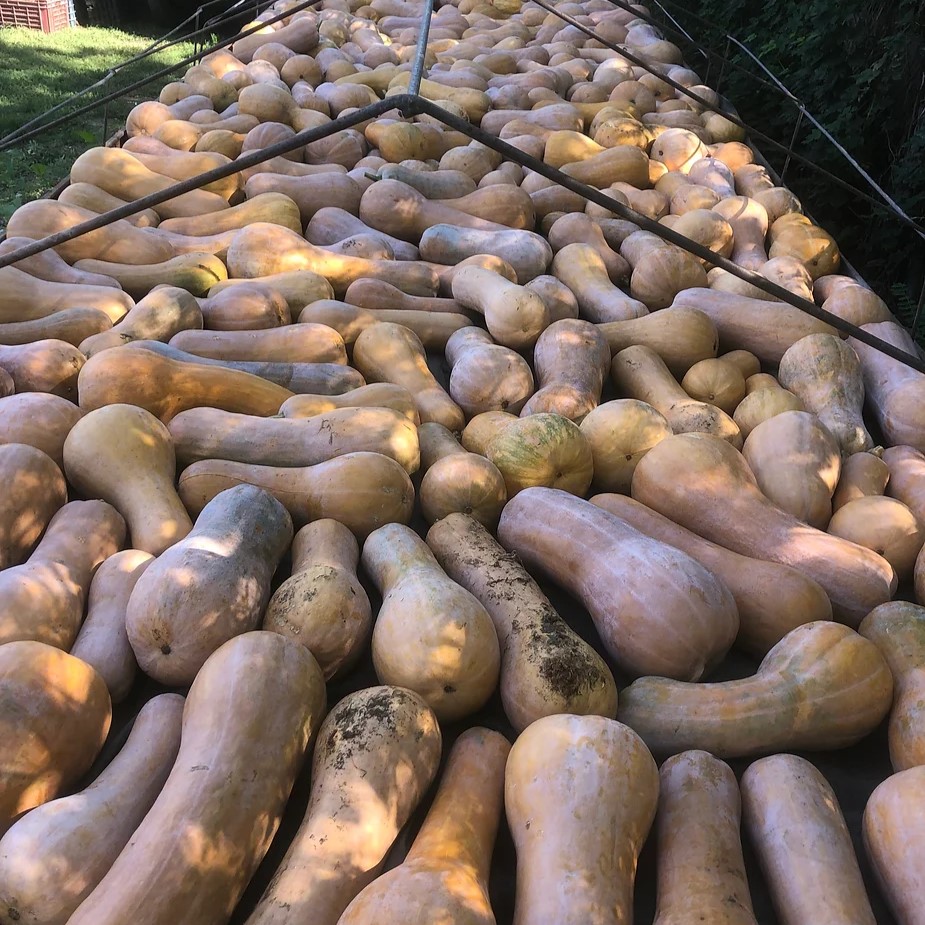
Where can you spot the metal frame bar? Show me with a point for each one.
(412, 104)
(157, 75)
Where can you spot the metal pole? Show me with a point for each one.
(420, 52)
(793, 141)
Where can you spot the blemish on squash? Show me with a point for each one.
(165, 649)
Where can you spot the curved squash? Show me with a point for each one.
(224, 795)
(636, 589)
(375, 757)
(907, 477)
(28, 298)
(863, 475)
(377, 395)
(209, 587)
(582, 269)
(40, 420)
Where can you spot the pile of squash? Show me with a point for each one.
(340, 412)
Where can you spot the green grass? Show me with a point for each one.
(42, 70)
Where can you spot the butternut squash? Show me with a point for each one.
(330, 225)
(375, 757)
(300, 36)
(444, 876)
(322, 605)
(577, 838)
(640, 373)
(680, 336)
(297, 287)
(196, 272)
(763, 328)
(210, 586)
(515, 316)
(456, 480)
(894, 821)
(661, 273)
(377, 395)
(787, 802)
(749, 221)
(824, 373)
(38, 419)
(393, 353)
(52, 858)
(546, 668)
(91, 197)
(72, 325)
(701, 871)
(274, 207)
(894, 391)
(772, 599)
(763, 401)
(716, 382)
(907, 477)
(309, 193)
(571, 359)
(822, 687)
(304, 343)
(885, 525)
(858, 305)
(248, 306)
(102, 641)
(484, 375)
(704, 484)
(578, 228)
(43, 599)
(863, 475)
(224, 796)
(898, 631)
(43, 366)
(184, 165)
(49, 265)
(33, 491)
(165, 387)
(431, 636)
(209, 433)
(54, 722)
(796, 463)
(581, 268)
(625, 579)
(361, 490)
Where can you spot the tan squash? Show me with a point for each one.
(210, 586)
(300, 36)
(701, 871)
(716, 382)
(43, 366)
(824, 373)
(857, 304)
(33, 491)
(680, 336)
(763, 401)
(102, 641)
(560, 301)
(704, 484)
(444, 876)
(796, 463)
(210, 433)
(884, 525)
(55, 720)
(786, 802)
(309, 193)
(304, 343)
(376, 754)
(578, 228)
(747, 363)
(51, 859)
(515, 316)
(39, 420)
(331, 225)
(483, 428)
(223, 795)
(184, 165)
(898, 631)
(840, 680)
(772, 599)
(454, 673)
(749, 221)
(581, 268)
(809, 243)
(571, 360)
(621, 432)
(907, 477)
(361, 490)
(322, 605)
(377, 395)
(376, 294)
(863, 475)
(49, 265)
(893, 823)
(88, 196)
(247, 307)
(577, 838)
(661, 273)
(625, 579)
(456, 480)
(640, 373)
(71, 325)
(393, 353)
(43, 599)
(546, 668)
(196, 272)
(297, 287)
(485, 376)
(165, 387)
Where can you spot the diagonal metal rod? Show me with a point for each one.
(420, 105)
(706, 104)
(157, 75)
(250, 159)
(420, 52)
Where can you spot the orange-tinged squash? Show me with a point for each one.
(444, 877)
(38, 419)
(577, 837)
(822, 687)
(376, 395)
(863, 475)
(907, 477)
(55, 720)
(375, 756)
(716, 382)
(225, 795)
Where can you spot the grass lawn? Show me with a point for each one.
(41, 70)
